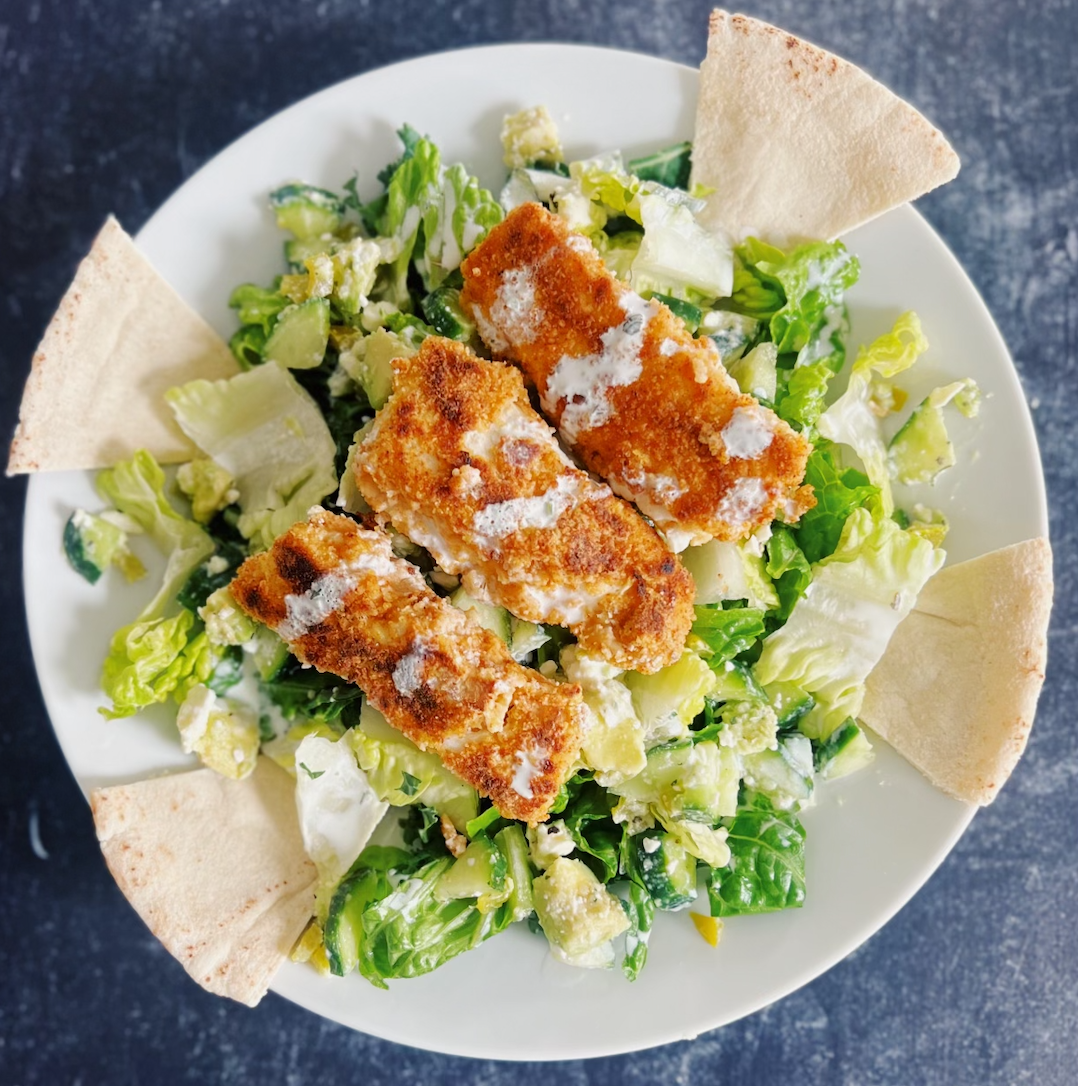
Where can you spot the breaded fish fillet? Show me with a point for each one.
(459, 461)
(644, 405)
(345, 604)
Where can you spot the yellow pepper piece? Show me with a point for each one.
(709, 928)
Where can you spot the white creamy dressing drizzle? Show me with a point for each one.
(305, 610)
(748, 433)
(408, 674)
(529, 766)
(500, 519)
(579, 243)
(513, 311)
(513, 425)
(451, 254)
(563, 605)
(742, 502)
(668, 347)
(583, 382)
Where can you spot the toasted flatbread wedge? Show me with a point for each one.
(216, 868)
(121, 337)
(956, 691)
(799, 144)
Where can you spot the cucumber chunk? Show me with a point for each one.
(665, 867)
(736, 682)
(784, 774)
(789, 701)
(495, 619)
(688, 312)
(482, 872)
(306, 211)
(845, 750)
(300, 336)
(444, 314)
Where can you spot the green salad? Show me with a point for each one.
(689, 788)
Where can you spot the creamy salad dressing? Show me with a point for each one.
(583, 382)
(408, 674)
(742, 502)
(306, 610)
(748, 433)
(500, 519)
(530, 764)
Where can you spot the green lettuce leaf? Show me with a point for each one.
(409, 932)
(788, 569)
(146, 663)
(838, 493)
(264, 429)
(851, 420)
(728, 633)
(766, 871)
(840, 627)
(136, 487)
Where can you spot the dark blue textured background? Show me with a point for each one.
(109, 106)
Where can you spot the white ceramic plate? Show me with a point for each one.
(873, 839)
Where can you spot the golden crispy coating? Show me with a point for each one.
(460, 462)
(644, 405)
(345, 604)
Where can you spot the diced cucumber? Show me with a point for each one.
(666, 868)
(482, 872)
(300, 336)
(306, 211)
(444, 314)
(921, 449)
(688, 312)
(525, 637)
(515, 848)
(92, 544)
(756, 373)
(270, 653)
(686, 781)
(845, 750)
(495, 619)
(667, 701)
(731, 332)
(789, 701)
(298, 250)
(736, 682)
(784, 774)
(369, 362)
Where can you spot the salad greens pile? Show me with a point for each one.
(692, 777)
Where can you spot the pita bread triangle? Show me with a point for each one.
(800, 144)
(215, 867)
(120, 338)
(957, 688)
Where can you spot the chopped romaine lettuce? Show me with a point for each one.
(337, 807)
(270, 436)
(838, 493)
(852, 420)
(136, 487)
(840, 627)
(766, 870)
